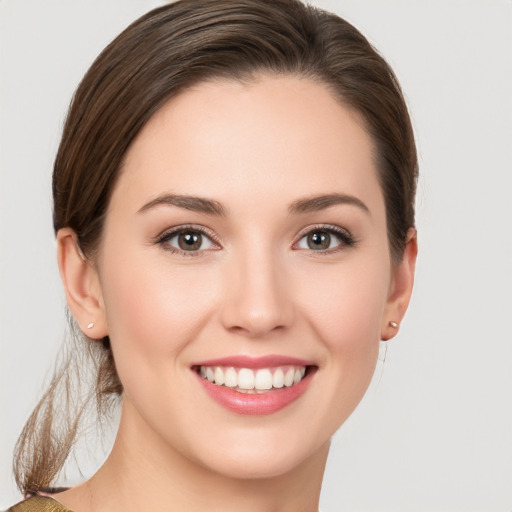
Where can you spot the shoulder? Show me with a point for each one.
(39, 504)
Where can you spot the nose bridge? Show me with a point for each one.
(257, 298)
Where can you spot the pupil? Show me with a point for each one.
(319, 240)
(190, 241)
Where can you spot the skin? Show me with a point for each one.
(258, 288)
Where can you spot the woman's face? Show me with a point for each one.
(246, 242)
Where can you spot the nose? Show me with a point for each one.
(257, 299)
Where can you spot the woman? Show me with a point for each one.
(234, 211)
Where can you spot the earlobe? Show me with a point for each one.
(400, 289)
(81, 284)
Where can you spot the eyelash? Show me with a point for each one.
(345, 237)
(174, 232)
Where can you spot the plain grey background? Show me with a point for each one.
(434, 432)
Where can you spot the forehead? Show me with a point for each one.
(274, 137)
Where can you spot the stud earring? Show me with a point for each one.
(89, 326)
(393, 324)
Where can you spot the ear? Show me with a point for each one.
(82, 286)
(400, 289)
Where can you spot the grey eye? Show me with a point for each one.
(190, 241)
(320, 240)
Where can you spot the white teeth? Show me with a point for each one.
(278, 378)
(288, 377)
(247, 380)
(263, 379)
(219, 376)
(231, 378)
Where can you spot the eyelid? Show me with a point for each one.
(169, 233)
(347, 239)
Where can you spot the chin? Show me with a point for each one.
(258, 458)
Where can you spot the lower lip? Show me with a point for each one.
(256, 404)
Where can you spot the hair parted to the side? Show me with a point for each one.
(164, 52)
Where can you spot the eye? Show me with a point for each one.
(188, 240)
(325, 239)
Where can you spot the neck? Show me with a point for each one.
(136, 476)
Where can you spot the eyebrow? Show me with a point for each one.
(321, 202)
(212, 207)
(196, 204)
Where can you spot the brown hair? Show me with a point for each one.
(158, 56)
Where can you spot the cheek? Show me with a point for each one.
(346, 313)
(153, 309)
(346, 306)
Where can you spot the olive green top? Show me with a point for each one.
(39, 504)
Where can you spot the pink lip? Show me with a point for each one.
(254, 363)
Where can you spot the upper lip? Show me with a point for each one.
(244, 361)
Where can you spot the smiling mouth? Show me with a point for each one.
(258, 381)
